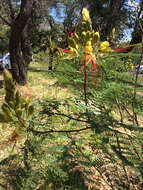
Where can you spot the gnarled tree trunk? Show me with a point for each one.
(19, 47)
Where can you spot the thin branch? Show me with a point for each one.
(4, 20)
(88, 121)
(59, 131)
(124, 107)
(120, 111)
(73, 131)
(72, 118)
(11, 10)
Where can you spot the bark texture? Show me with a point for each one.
(19, 47)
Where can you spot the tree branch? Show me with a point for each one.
(4, 20)
(72, 118)
(64, 115)
(11, 10)
(59, 131)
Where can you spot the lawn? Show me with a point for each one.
(83, 159)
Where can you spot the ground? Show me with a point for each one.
(44, 85)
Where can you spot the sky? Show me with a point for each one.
(133, 3)
(56, 17)
(17, 3)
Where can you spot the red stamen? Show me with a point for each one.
(72, 35)
(94, 70)
(124, 49)
(13, 138)
(66, 50)
(28, 92)
(90, 63)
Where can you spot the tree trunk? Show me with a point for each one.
(137, 32)
(51, 61)
(19, 46)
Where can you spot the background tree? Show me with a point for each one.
(20, 16)
(4, 38)
(137, 28)
(105, 15)
(20, 19)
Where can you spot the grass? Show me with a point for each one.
(58, 87)
(41, 86)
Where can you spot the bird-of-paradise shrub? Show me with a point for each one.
(87, 46)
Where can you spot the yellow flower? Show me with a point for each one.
(104, 47)
(73, 53)
(85, 15)
(88, 49)
(88, 43)
(132, 66)
(71, 56)
(97, 34)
